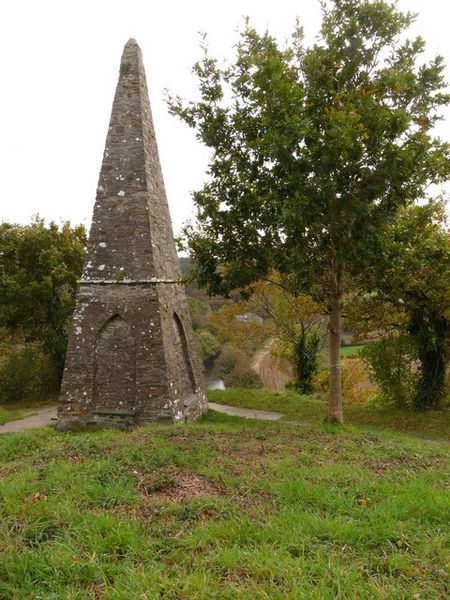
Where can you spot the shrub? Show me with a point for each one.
(242, 376)
(26, 373)
(355, 379)
(306, 351)
(208, 343)
(234, 367)
(354, 382)
(431, 332)
(392, 363)
(200, 312)
(227, 360)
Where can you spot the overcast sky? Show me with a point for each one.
(59, 67)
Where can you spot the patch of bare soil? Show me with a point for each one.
(173, 485)
(273, 372)
(250, 451)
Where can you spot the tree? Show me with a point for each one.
(313, 152)
(39, 269)
(270, 312)
(294, 322)
(232, 324)
(391, 362)
(409, 303)
(414, 275)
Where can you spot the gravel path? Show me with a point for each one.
(41, 418)
(248, 413)
(46, 416)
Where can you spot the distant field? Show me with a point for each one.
(226, 509)
(351, 350)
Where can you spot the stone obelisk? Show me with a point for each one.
(131, 356)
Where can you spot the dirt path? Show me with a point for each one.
(272, 372)
(46, 416)
(41, 418)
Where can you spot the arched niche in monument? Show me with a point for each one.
(115, 367)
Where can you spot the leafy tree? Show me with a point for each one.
(200, 313)
(208, 344)
(26, 373)
(234, 366)
(431, 332)
(409, 302)
(413, 274)
(294, 322)
(306, 363)
(313, 151)
(269, 311)
(233, 324)
(39, 269)
(391, 362)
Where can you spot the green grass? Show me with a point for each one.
(7, 414)
(351, 350)
(313, 409)
(19, 410)
(262, 511)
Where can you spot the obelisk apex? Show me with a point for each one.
(131, 357)
(131, 234)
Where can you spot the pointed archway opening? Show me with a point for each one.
(115, 368)
(184, 351)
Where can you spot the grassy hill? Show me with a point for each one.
(313, 409)
(224, 508)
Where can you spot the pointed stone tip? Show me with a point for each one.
(131, 53)
(131, 42)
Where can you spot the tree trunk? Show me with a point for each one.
(335, 413)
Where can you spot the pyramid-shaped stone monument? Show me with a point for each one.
(131, 357)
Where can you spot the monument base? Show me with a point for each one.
(193, 408)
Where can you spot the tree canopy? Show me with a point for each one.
(39, 269)
(313, 152)
(413, 274)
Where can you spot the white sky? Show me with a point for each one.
(59, 67)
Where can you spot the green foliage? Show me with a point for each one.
(26, 373)
(234, 325)
(317, 148)
(200, 313)
(293, 322)
(242, 376)
(413, 274)
(234, 367)
(354, 376)
(431, 332)
(185, 265)
(306, 364)
(209, 345)
(392, 364)
(39, 270)
(313, 152)
(227, 360)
